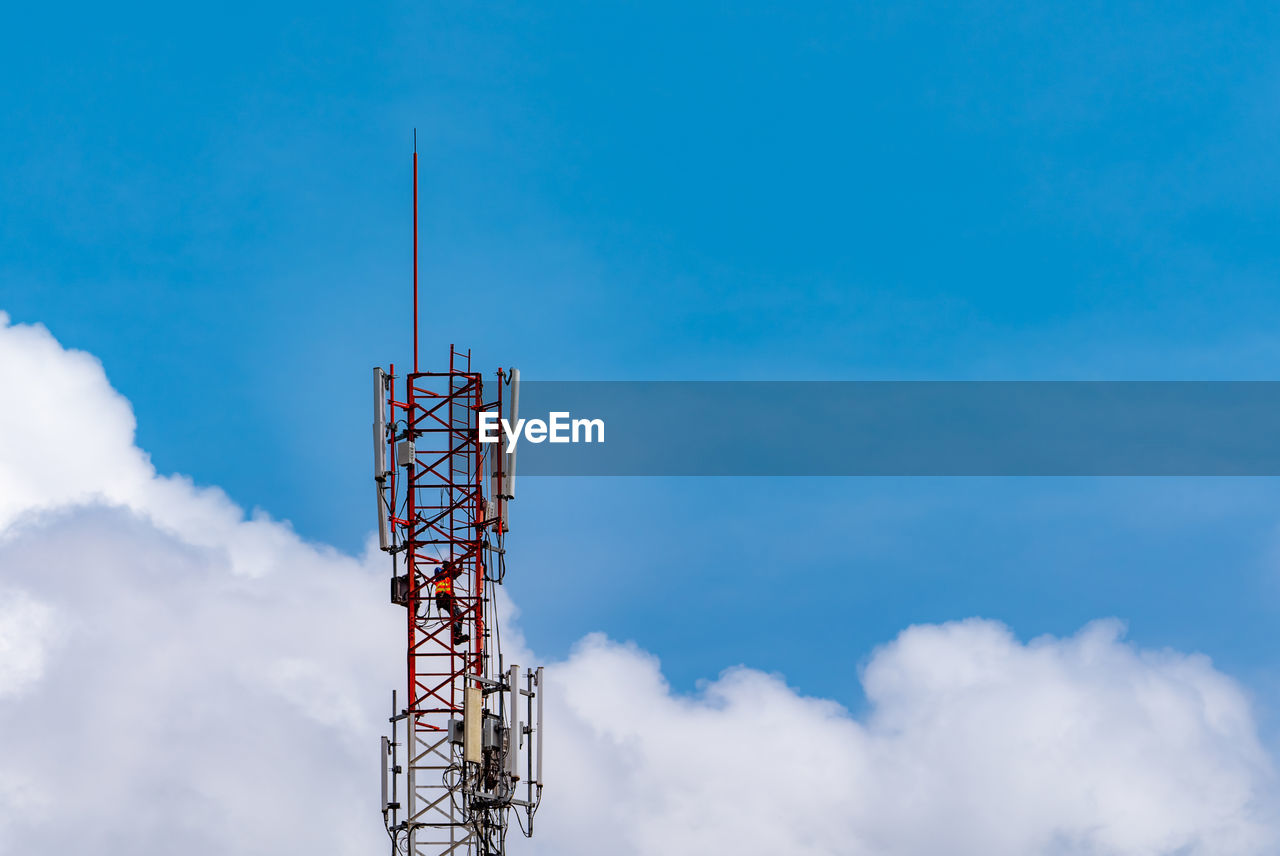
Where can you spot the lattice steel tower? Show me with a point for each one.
(466, 747)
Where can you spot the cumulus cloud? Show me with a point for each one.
(975, 743)
(26, 629)
(176, 676)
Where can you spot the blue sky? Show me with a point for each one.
(215, 202)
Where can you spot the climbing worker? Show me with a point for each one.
(445, 601)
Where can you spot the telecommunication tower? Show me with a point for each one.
(465, 749)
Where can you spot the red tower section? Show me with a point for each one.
(441, 516)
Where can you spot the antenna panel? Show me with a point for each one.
(510, 468)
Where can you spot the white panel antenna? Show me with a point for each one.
(497, 481)
(379, 424)
(537, 730)
(380, 455)
(510, 491)
(513, 719)
(472, 722)
(386, 757)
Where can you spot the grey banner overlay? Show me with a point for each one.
(919, 428)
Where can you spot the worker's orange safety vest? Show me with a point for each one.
(444, 585)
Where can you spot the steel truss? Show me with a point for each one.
(437, 493)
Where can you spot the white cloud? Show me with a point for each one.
(26, 630)
(176, 676)
(975, 743)
(50, 456)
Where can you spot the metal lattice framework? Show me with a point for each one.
(439, 501)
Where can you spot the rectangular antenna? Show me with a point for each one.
(380, 455)
(379, 424)
(472, 722)
(517, 733)
(384, 524)
(510, 491)
(538, 728)
(497, 481)
(386, 753)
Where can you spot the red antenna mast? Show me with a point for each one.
(415, 250)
